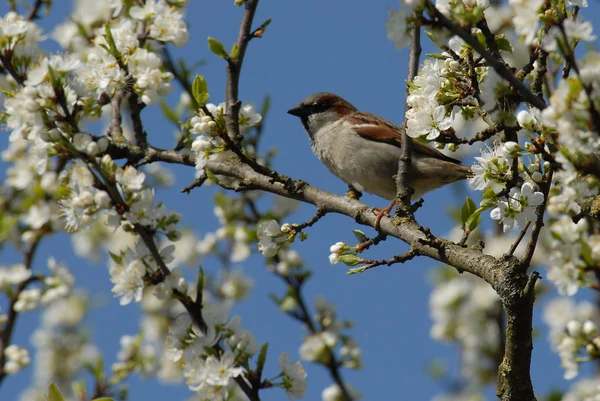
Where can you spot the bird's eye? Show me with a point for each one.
(319, 107)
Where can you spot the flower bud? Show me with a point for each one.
(589, 328)
(92, 149)
(102, 199)
(574, 328)
(337, 247)
(102, 144)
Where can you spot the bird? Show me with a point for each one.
(363, 149)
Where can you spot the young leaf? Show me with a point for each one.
(350, 259)
(217, 47)
(235, 51)
(54, 393)
(200, 90)
(467, 210)
(474, 220)
(262, 358)
(170, 114)
(360, 236)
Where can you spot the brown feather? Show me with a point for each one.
(379, 129)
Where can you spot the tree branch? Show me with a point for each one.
(234, 70)
(403, 189)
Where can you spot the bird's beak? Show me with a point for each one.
(298, 111)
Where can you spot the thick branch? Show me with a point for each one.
(464, 259)
(514, 382)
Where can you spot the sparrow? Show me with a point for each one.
(364, 149)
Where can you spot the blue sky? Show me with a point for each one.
(313, 45)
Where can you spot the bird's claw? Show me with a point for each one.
(382, 212)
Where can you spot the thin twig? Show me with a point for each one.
(11, 318)
(318, 216)
(369, 264)
(304, 316)
(403, 188)
(33, 13)
(539, 223)
(515, 244)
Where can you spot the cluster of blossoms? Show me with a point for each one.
(208, 145)
(55, 286)
(271, 237)
(318, 347)
(462, 309)
(212, 375)
(62, 346)
(583, 390)
(17, 358)
(492, 171)
(573, 335)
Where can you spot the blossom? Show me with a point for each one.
(526, 18)
(519, 207)
(573, 30)
(13, 275)
(398, 29)
(17, 358)
(128, 276)
(130, 178)
(316, 347)
(294, 377)
(336, 250)
(270, 238)
(28, 300)
(220, 371)
(334, 393)
(428, 121)
(491, 171)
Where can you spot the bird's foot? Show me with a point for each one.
(382, 212)
(353, 193)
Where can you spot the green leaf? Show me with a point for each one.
(488, 203)
(235, 51)
(115, 258)
(438, 56)
(467, 210)
(211, 176)
(430, 35)
(350, 259)
(54, 393)
(170, 113)
(586, 252)
(200, 282)
(112, 47)
(503, 44)
(103, 399)
(217, 47)
(360, 236)
(200, 90)
(266, 106)
(474, 220)
(355, 270)
(262, 358)
(489, 193)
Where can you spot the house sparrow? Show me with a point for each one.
(364, 149)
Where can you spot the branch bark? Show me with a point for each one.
(404, 191)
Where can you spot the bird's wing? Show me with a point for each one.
(385, 131)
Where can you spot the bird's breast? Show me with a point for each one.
(366, 165)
